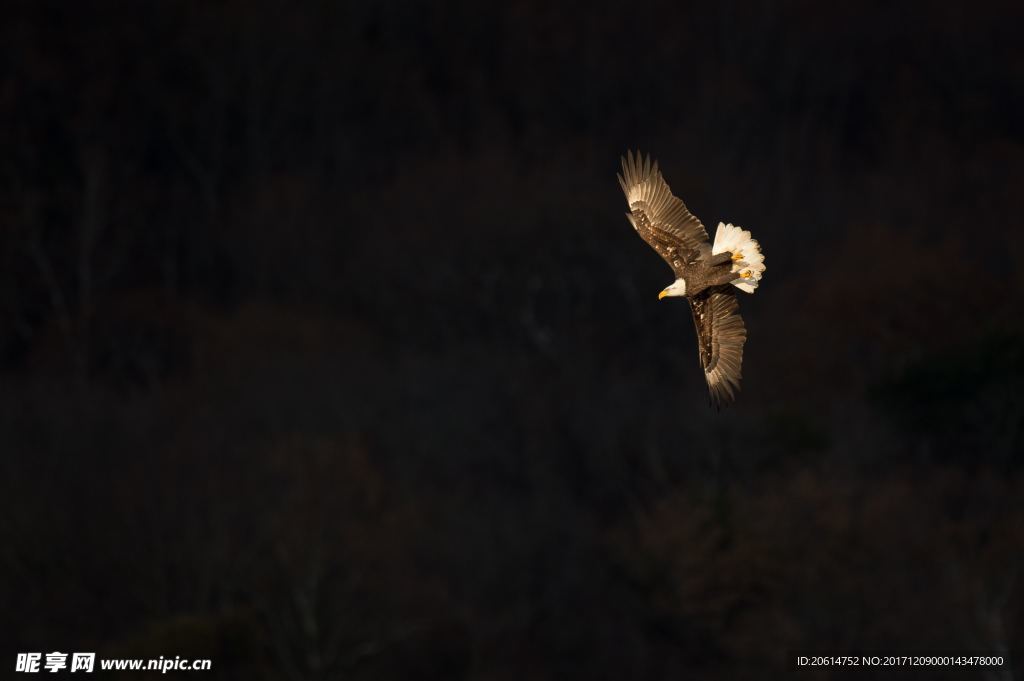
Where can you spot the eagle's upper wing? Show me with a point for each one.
(661, 218)
(720, 338)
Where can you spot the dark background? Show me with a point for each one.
(326, 351)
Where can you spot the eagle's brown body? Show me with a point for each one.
(702, 275)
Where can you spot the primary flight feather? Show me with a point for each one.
(706, 274)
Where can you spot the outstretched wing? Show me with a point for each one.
(659, 217)
(720, 338)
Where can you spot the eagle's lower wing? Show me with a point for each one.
(720, 338)
(661, 219)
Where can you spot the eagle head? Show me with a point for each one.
(677, 288)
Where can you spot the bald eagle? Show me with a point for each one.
(706, 274)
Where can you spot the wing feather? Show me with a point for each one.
(720, 338)
(658, 216)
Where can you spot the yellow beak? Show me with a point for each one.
(662, 295)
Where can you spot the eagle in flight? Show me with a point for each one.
(706, 273)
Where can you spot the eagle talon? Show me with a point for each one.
(736, 257)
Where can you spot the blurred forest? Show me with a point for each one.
(326, 350)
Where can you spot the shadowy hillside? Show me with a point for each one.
(326, 351)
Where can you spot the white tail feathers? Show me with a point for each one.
(748, 261)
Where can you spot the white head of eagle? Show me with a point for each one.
(706, 274)
(676, 288)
